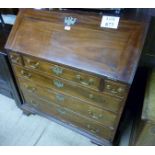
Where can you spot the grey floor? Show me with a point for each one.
(17, 129)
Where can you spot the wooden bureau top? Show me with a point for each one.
(106, 52)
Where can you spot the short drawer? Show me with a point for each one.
(69, 117)
(62, 71)
(115, 88)
(84, 108)
(99, 99)
(15, 58)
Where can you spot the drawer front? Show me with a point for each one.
(99, 99)
(102, 116)
(115, 88)
(15, 58)
(63, 72)
(69, 117)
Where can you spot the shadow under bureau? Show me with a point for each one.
(74, 71)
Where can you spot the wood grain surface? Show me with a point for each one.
(87, 46)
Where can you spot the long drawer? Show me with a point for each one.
(63, 72)
(102, 116)
(99, 99)
(114, 88)
(69, 117)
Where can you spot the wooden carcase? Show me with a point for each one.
(77, 75)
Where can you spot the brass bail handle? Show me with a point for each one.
(84, 82)
(25, 74)
(32, 64)
(58, 84)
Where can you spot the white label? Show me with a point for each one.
(110, 22)
(67, 28)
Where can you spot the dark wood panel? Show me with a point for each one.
(3, 77)
(149, 47)
(148, 53)
(143, 132)
(7, 82)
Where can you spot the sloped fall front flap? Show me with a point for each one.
(84, 45)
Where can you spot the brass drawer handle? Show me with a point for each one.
(61, 111)
(57, 70)
(120, 90)
(60, 97)
(58, 84)
(108, 86)
(32, 64)
(15, 58)
(94, 116)
(81, 80)
(25, 74)
(113, 90)
(92, 129)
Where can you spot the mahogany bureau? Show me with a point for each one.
(72, 70)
